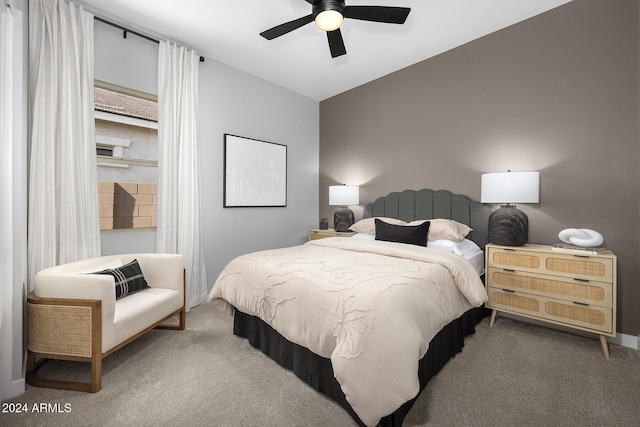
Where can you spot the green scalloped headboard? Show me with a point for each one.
(410, 205)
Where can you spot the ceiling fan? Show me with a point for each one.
(328, 16)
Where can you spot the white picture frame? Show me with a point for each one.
(255, 173)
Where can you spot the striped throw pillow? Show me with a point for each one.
(129, 278)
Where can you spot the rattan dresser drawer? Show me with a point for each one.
(591, 267)
(589, 317)
(572, 290)
(583, 291)
(510, 300)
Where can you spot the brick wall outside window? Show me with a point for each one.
(127, 205)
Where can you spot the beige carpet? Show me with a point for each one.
(512, 375)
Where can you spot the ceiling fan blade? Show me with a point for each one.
(336, 44)
(387, 14)
(287, 27)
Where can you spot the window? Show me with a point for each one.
(104, 151)
(127, 156)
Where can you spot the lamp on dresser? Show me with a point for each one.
(508, 225)
(343, 196)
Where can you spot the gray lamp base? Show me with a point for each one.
(343, 218)
(508, 226)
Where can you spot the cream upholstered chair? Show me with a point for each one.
(73, 313)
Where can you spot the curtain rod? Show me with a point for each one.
(126, 30)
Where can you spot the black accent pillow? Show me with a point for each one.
(129, 278)
(411, 234)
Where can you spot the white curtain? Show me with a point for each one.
(6, 157)
(179, 225)
(63, 186)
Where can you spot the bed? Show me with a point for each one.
(365, 322)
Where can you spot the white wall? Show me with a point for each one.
(231, 101)
(13, 219)
(130, 62)
(237, 103)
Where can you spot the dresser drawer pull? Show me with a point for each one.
(581, 256)
(581, 280)
(581, 304)
(509, 291)
(508, 270)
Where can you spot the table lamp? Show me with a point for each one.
(508, 225)
(343, 196)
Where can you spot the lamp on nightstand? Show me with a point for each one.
(343, 196)
(508, 225)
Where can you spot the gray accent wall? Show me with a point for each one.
(558, 93)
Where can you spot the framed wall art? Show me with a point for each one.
(255, 173)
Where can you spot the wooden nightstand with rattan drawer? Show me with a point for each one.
(565, 288)
(316, 233)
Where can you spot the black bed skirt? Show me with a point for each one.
(318, 372)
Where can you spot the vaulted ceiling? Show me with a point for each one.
(228, 31)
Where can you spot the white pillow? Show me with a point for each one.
(465, 248)
(368, 225)
(447, 229)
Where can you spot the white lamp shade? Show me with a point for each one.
(344, 195)
(510, 187)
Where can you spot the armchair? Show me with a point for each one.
(74, 315)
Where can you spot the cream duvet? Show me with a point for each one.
(372, 307)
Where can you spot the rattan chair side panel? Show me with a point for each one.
(59, 329)
(64, 327)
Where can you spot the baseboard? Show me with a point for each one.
(624, 340)
(18, 387)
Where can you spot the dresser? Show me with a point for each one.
(572, 289)
(317, 233)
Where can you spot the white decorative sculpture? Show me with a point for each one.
(581, 237)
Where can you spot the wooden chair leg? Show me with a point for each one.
(183, 312)
(183, 322)
(180, 326)
(96, 375)
(31, 365)
(33, 379)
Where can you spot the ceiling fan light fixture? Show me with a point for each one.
(328, 14)
(329, 20)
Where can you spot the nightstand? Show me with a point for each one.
(572, 289)
(316, 233)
